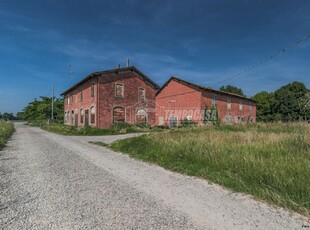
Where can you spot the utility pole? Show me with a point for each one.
(52, 103)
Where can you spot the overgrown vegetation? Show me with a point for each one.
(121, 128)
(6, 130)
(38, 112)
(289, 103)
(269, 161)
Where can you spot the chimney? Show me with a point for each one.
(127, 62)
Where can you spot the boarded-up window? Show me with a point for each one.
(141, 94)
(228, 103)
(65, 117)
(229, 119)
(161, 121)
(68, 117)
(92, 90)
(119, 90)
(92, 115)
(81, 96)
(81, 116)
(118, 115)
(240, 105)
(173, 121)
(141, 116)
(250, 108)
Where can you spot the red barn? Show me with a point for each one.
(178, 100)
(111, 96)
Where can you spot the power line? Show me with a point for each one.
(292, 45)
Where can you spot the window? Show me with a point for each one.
(173, 121)
(72, 117)
(228, 103)
(141, 94)
(82, 116)
(119, 90)
(250, 108)
(214, 100)
(92, 115)
(81, 96)
(229, 119)
(68, 117)
(119, 115)
(141, 117)
(72, 98)
(161, 121)
(92, 90)
(240, 105)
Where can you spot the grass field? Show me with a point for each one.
(88, 131)
(269, 161)
(6, 130)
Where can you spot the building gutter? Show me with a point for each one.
(97, 104)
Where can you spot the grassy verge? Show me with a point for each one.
(6, 130)
(89, 131)
(269, 161)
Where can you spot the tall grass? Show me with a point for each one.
(89, 131)
(269, 161)
(6, 130)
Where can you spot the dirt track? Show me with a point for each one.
(56, 182)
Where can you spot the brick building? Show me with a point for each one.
(178, 100)
(111, 96)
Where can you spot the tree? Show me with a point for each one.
(265, 103)
(8, 116)
(232, 89)
(40, 110)
(288, 100)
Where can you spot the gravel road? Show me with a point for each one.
(50, 181)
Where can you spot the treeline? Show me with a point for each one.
(7, 116)
(41, 110)
(289, 103)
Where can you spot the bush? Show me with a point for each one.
(6, 130)
(187, 123)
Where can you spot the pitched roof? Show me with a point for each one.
(200, 88)
(117, 70)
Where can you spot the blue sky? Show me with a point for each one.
(200, 41)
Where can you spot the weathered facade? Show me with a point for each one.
(112, 96)
(178, 100)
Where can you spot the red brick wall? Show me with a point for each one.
(130, 101)
(178, 100)
(107, 100)
(77, 104)
(221, 103)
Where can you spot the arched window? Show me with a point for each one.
(118, 115)
(141, 116)
(92, 115)
(81, 116)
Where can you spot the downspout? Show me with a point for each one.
(97, 105)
